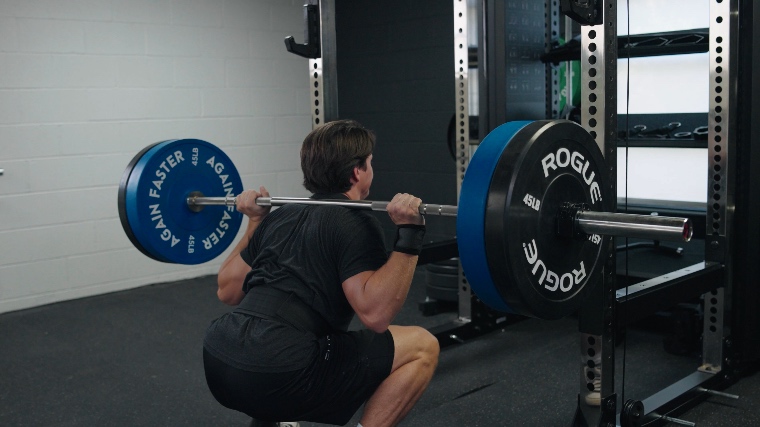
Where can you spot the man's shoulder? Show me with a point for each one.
(331, 215)
(348, 215)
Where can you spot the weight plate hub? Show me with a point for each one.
(153, 201)
(530, 270)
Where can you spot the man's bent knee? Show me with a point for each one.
(427, 356)
(430, 342)
(414, 343)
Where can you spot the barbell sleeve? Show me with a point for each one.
(652, 227)
(199, 201)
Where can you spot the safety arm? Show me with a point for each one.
(234, 269)
(377, 296)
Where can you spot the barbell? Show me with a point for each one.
(533, 217)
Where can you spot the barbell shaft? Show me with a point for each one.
(425, 208)
(589, 222)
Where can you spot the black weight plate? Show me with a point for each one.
(122, 201)
(544, 164)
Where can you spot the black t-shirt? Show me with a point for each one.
(309, 251)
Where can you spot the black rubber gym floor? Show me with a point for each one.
(133, 358)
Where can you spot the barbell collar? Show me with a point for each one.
(650, 227)
(424, 209)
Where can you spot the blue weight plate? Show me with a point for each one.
(473, 202)
(153, 199)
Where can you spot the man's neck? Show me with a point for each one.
(353, 194)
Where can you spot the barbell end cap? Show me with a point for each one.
(191, 204)
(688, 230)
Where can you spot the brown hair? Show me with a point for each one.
(330, 152)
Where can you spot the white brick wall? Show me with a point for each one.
(86, 84)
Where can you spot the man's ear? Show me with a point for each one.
(354, 175)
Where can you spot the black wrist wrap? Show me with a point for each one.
(409, 238)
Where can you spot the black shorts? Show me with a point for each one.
(349, 368)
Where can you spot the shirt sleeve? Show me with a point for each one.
(361, 245)
(246, 255)
(249, 252)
